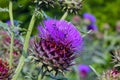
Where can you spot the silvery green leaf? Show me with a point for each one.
(4, 9)
(5, 27)
(117, 65)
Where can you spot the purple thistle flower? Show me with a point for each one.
(110, 75)
(83, 70)
(4, 47)
(59, 40)
(92, 27)
(90, 17)
(8, 23)
(16, 23)
(61, 32)
(4, 70)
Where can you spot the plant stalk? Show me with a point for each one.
(12, 34)
(64, 16)
(25, 48)
(97, 74)
(39, 77)
(87, 33)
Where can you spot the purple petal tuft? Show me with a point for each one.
(90, 17)
(61, 32)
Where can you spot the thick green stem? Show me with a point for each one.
(64, 16)
(11, 49)
(97, 74)
(25, 48)
(39, 77)
(11, 13)
(12, 34)
(87, 33)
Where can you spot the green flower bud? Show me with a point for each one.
(72, 6)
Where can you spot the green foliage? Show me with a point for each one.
(106, 11)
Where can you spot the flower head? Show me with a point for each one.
(8, 23)
(61, 32)
(17, 45)
(118, 26)
(16, 23)
(89, 17)
(76, 20)
(110, 75)
(72, 6)
(116, 58)
(106, 26)
(42, 3)
(59, 40)
(92, 27)
(83, 70)
(5, 43)
(4, 70)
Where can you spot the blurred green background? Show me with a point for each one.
(106, 11)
